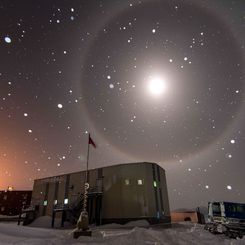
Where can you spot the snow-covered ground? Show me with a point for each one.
(182, 233)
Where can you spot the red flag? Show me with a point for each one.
(90, 141)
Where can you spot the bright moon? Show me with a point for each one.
(157, 86)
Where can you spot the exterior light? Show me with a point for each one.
(154, 183)
(10, 188)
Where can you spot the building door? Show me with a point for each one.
(94, 208)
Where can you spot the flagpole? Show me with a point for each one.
(87, 158)
(83, 221)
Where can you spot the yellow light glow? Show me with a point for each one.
(10, 188)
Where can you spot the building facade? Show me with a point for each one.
(191, 216)
(12, 202)
(118, 193)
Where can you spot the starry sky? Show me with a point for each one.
(159, 81)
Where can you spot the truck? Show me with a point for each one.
(227, 218)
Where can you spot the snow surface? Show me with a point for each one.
(9, 216)
(180, 234)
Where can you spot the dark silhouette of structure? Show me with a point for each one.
(12, 202)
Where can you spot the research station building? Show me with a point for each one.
(118, 193)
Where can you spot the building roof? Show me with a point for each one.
(116, 165)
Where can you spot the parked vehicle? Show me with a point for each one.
(227, 218)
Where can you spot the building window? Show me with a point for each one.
(45, 203)
(154, 183)
(66, 201)
(140, 182)
(5, 197)
(127, 182)
(2, 209)
(55, 202)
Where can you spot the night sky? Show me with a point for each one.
(159, 81)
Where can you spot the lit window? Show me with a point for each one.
(5, 197)
(155, 183)
(127, 182)
(140, 182)
(55, 202)
(66, 201)
(2, 209)
(45, 203)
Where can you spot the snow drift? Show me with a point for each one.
(179, 234)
